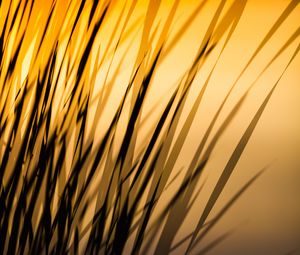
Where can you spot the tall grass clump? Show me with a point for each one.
(74, 176)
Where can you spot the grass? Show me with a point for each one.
(102, 195)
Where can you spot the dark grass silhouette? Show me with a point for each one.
(42, 203)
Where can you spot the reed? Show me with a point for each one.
(69, 185)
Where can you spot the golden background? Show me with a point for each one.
(265, 220)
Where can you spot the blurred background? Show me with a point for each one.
(265, 220)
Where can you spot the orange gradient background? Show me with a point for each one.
(265, 220)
